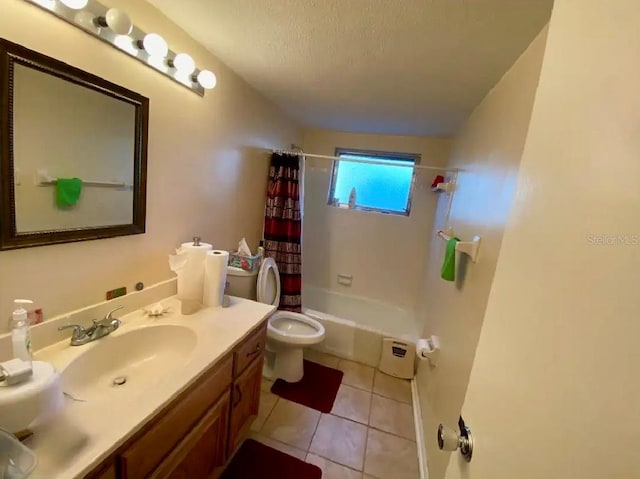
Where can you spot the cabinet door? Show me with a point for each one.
(107, 473)
(174, 423)
(202, 450)
(245, 399)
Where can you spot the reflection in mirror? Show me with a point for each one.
(64, 130)
(73, 153)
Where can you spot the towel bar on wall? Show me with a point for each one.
(469, 248)
(43, 179)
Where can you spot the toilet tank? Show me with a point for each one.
(241, 283)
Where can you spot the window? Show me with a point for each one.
(384, 186)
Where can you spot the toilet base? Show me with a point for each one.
(288, 364)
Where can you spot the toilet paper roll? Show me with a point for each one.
(429, 348)
(191, 275)
(215, 277)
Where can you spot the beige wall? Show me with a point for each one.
(206, 174)
(70, 131)
(384, 253)
(554, 391)
(488, 148)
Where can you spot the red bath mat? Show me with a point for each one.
(257, 461)
(317, 389)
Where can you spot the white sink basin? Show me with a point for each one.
(125, 364)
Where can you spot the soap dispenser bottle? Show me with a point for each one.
(20, 334)
(352, 198)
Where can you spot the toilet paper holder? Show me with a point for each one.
(429, 349)
(450, 440)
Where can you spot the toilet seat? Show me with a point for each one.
(295, 329)
(268, 285)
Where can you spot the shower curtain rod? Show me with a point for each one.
(371, 162)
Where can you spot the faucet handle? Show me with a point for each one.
(78, 331)
(108, 317)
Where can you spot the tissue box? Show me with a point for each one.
(248, 263)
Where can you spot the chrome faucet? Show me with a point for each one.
(97, 330)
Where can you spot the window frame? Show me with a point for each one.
(383, 155)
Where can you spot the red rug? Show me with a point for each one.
(257, 461)
(317, 389)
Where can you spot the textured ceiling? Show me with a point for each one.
(414, 67)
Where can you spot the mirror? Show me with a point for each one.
(73, 153)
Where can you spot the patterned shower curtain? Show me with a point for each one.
(283, 227)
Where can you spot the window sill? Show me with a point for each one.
(365, 209)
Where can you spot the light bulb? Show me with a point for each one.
(184, 78)
(184, 64)
(155, 45)
(75, 4)
(118, 21)
(125, 43)
(158, 63)
(48, 4)
(85, 20)
(207, 79)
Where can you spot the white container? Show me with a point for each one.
(16, 460)
(20, 334)
(33, 402)
(397, 358)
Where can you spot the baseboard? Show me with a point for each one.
(417, 419)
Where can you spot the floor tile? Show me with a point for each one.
(321, 358)
(390, 457)
(280, 446)
(291, 423)
(352, 403)
(331, 470)
(394, 388)
(392, 416)
(267, 403)
(340, 440)
(266, 385)
(356, 375)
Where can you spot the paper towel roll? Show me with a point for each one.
(215, 277)
(191, 276)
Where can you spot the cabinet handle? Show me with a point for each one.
(255, 351)
(238, 396)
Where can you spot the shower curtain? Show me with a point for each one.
(283, 227)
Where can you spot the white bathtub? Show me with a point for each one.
(356, 325)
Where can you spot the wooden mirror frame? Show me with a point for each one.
(12, 54)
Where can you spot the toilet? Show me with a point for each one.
(287, 333)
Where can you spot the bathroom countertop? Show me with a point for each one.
(71, 445)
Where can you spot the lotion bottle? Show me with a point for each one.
(20, 334)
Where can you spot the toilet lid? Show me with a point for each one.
(268, 287)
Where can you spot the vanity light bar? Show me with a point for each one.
(114, 27)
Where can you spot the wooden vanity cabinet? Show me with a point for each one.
(108, 472)
(245, 393)
(195, 435)
(202, 450)
(246, 400)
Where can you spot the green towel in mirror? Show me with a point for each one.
(448, 271)
(68, 191)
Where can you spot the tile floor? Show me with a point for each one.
(368, 435)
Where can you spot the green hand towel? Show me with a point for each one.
(68, 191)
(448, 271)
